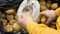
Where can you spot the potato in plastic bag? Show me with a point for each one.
(34, 11)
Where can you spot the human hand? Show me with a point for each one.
(24, 19)
(50, 14)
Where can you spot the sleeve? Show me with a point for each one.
(58, 23)
(57, 11)
(34, 28)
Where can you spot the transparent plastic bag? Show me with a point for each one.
(30, 7)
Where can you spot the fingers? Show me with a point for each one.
(19, 19)
(21, 15)
(48, 21)
(41, 14)
(51, 10)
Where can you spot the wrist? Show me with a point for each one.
(31, 23)
(28, 23)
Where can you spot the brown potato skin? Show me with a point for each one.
(54, 5)
(4, 21)
(48, 5)
(43, 8)
(8, 28)
(12, 21)
(42, 3)
(3, 16)
(16, 27)
(43, 19)
(10, 11)
(9, 17)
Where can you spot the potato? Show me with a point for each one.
(43, 8)
(54, 5)
(49, 1)
(12, 21)
(8, 28)
(42, 3)
(3, 15)
(14, 13)
(4, 21)
(10, 11)
(9, 17)
(43, 19)
(48, 4)
(16, 27)
(28, 10)
(53, 26)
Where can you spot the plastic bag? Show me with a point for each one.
(31, 7)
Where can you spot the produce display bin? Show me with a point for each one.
(7, 4)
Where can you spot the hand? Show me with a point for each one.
(50, 14)
(24, 19)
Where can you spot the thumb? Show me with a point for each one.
(22, 15)
(19, 19)
(48, 21)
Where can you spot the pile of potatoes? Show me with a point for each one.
(47, 5)
(9, 21)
